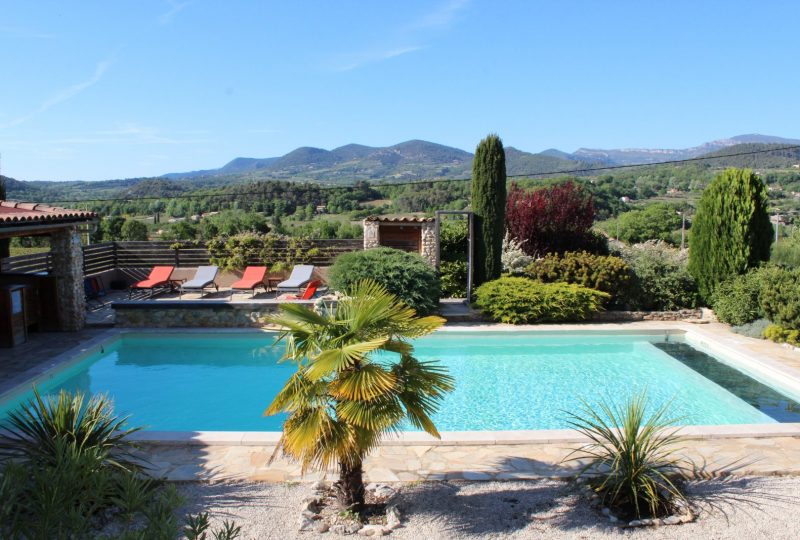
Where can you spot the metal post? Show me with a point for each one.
(683, 229)
(469, 258)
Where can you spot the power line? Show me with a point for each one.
(437, 180)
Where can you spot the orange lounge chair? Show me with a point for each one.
(253, 277)
(159, 277)
(310, 291)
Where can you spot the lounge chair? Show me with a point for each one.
(204, 278)
(301, 275)
(253, 277)
(310, 290)
(159, 277)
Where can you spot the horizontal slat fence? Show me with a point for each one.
(27, 264)
(109, 255)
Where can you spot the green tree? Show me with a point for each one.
(133, 230)
(489, 205)
(653, 222)
(346, 395)
(731, 231)
(180, 230)
(110, 229)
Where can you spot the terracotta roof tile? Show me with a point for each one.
(401, 219)
(17, 213)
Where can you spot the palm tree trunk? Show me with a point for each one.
(350, 487)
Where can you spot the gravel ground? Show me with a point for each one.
(735, 508)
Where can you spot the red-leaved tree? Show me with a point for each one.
(554, 219)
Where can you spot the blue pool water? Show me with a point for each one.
(504, 381)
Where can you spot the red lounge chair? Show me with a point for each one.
(311, 289)
(253, 277)
(159, 277)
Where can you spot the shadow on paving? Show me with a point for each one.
(228, 499)
(467, 509)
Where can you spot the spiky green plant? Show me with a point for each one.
(346, 395)
(34, 430)
(633, 463)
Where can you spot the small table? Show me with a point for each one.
(272, 283)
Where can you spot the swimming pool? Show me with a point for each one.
(504, 380)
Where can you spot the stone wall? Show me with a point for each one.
(624, 316)
(67, 259)
(428, 247)
(371, 238)
(193, 314)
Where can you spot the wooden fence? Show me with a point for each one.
(109, 255)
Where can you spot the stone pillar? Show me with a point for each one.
(67, 259)
(371, 239)
(428, 247)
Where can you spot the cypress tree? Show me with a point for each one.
(489, 206)
(731, 231)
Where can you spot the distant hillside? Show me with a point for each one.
(408, 160)
(778, 159)
(633, 156)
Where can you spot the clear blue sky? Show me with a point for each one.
(98, 90)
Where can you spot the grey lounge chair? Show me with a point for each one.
(301, 275)
(204, 278)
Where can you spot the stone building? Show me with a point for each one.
(415, 235)
(56, 300)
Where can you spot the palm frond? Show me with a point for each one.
(363, 384)
(336, 360)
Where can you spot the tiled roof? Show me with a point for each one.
(401, 219)
(22, 213)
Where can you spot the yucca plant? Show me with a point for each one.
(33, 431)
(633, 464)
(347, 392)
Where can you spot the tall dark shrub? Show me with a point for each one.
(731, 230)
(554, 219)
(489, 204)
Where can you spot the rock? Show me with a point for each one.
(657, 522)
(321, 526)
(646, 522)
(612, 519)
(305, 524)
(393, 517)
(384, 492)
(309, 504)
(319, 485)
(688, 517)
(338, 529)
(672, 520)
(352, 528)
(372, 530)
(605, 511)
(635, 523)
(309, 514)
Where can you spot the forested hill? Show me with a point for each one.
(410, 160)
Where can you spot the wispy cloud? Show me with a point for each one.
(62, 95)
(126, 134)
(175, 8)
(417, 31)
(442, 15)
(355, 61)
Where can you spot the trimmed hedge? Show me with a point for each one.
(454, 279)
(601, 272)
(780, 296)
(736, 300)
(517, 300)
(406, 275)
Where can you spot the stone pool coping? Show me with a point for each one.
(477, 455)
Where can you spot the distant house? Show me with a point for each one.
(321, 209)
(796, 165)
(625, 199)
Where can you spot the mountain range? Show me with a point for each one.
(417, 159)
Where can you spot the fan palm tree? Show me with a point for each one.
(356, 381)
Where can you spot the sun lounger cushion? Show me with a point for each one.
(159, 275)
(253, 275)
(301, 274)
(203, 277)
